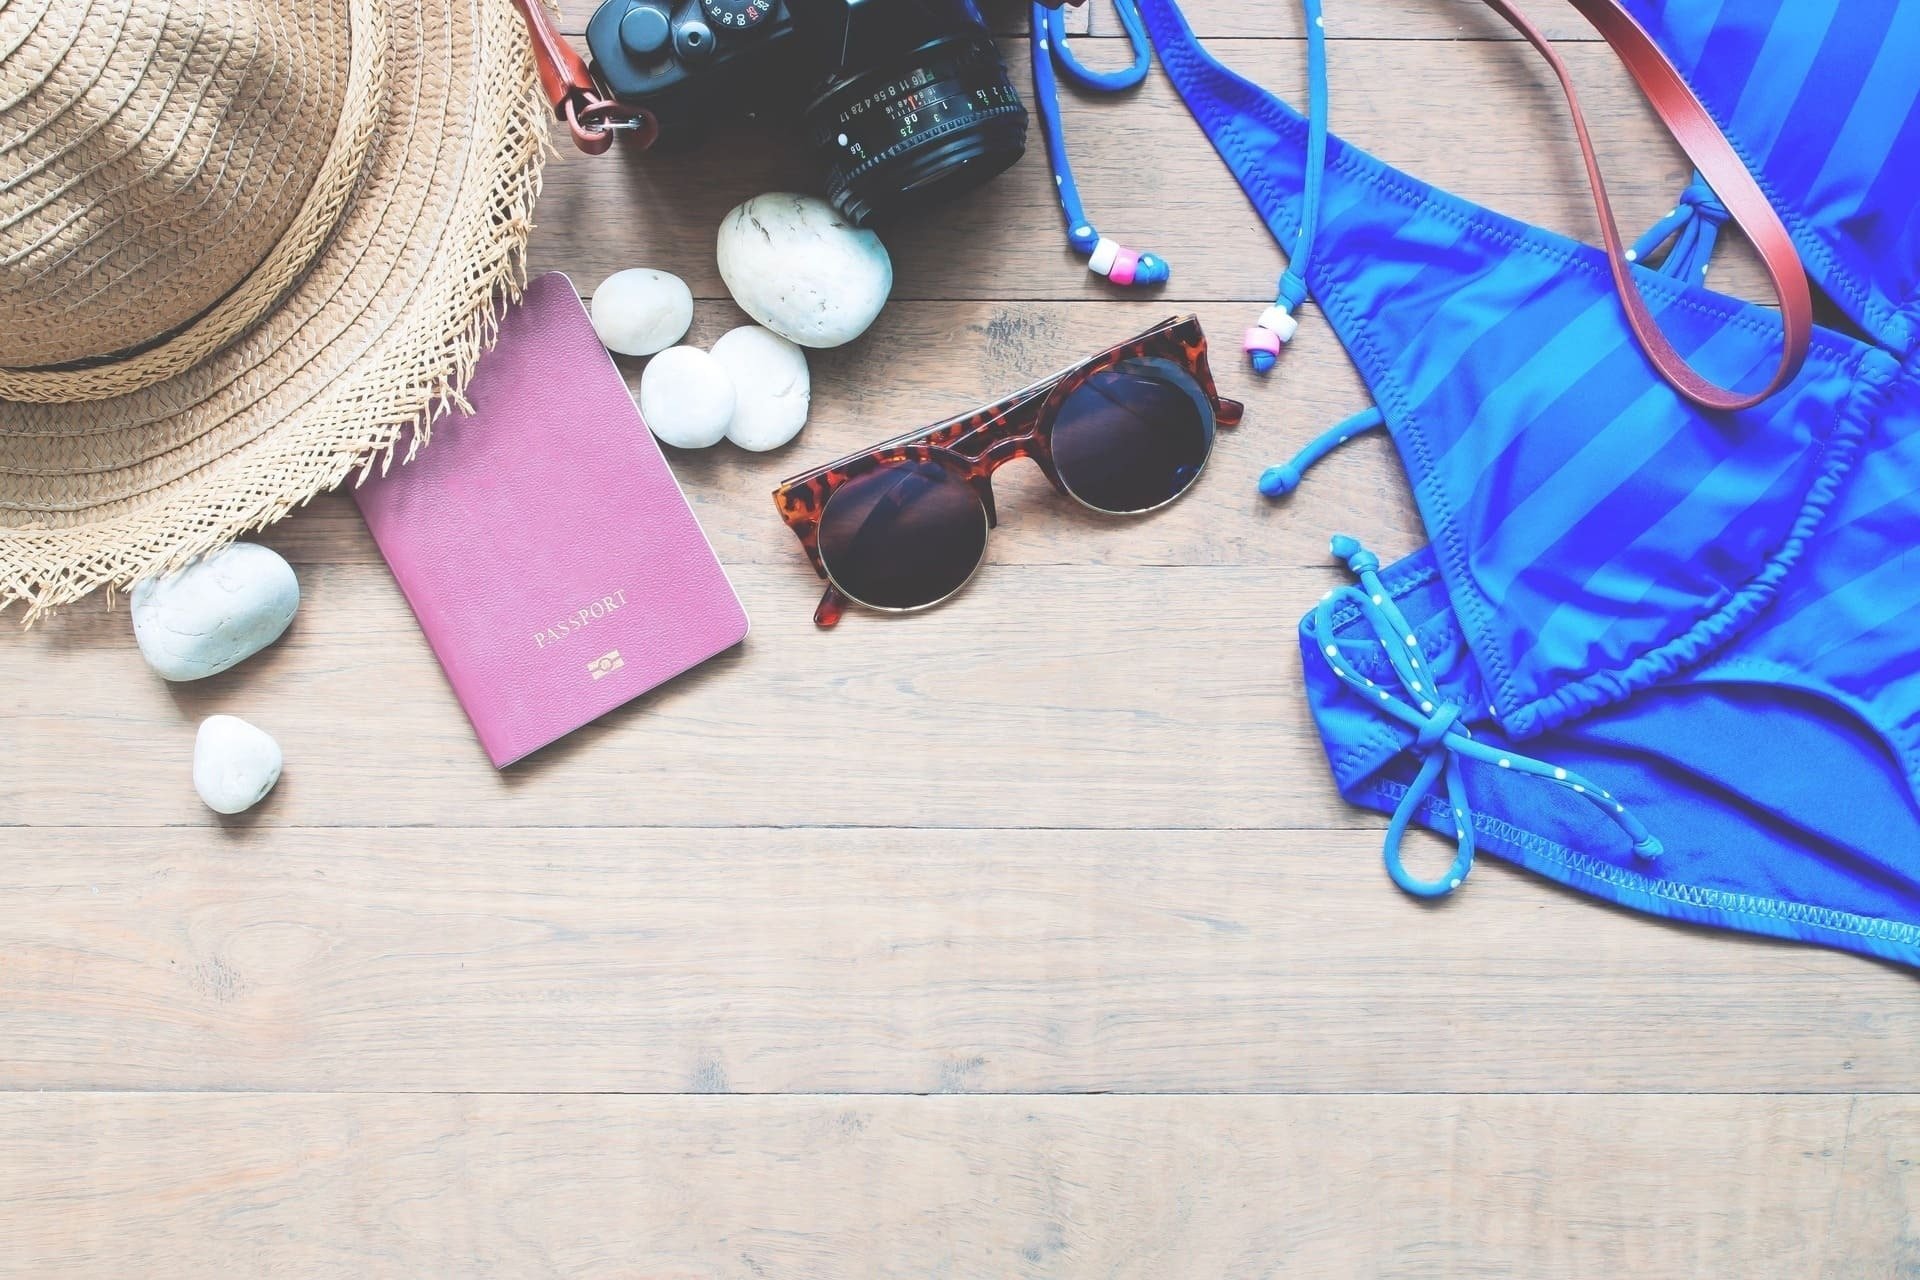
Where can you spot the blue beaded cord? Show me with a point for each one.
(1441, 740)
(1277, 482)
(1105, 257)
(1277, 325)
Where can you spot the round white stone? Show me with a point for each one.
(234, 764)
(771, 387)
(221, 609)
(802, 270)
(686, 398)
(640, 311)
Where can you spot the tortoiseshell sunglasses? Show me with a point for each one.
(904, 525)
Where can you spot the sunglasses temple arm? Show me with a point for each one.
(832, 606)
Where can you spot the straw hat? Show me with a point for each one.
(244, 244)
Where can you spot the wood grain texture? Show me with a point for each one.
(1488, 127)
(1048, 889)
(810, 1188)
(1367, 19)
(1076, 695)
(925, 361)
(930, 961)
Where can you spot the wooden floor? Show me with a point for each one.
(1023, 938)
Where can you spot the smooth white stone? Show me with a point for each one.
(221, 609)
(234, 764)
(640, 311)
(686, 398)
(771, 387)
(802, 270)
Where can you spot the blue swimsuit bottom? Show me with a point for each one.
(1666, 656)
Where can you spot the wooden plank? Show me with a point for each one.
(1491, 128)
(925, 361)
(376, 1186)
(1079, 696)
(881, 961)
(1006, 17)
(1360, 20)
(1212, 19)
(1083, 695)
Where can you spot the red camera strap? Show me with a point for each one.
(592, 117)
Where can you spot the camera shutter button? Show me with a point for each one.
(693, 39)
(645, 30)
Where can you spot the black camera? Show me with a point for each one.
(903, 101)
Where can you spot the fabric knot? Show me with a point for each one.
(1278, 481)
(1358, 558)
(1705, 204)
(1689, 231)
(1293, 290)
(1437, 726)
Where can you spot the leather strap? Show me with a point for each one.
(1715, 158)
(592, 117)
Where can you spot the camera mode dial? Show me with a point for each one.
(737, 15)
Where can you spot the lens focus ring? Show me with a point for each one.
(898, 139)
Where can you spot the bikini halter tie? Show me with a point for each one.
(1441, 741)
(1105, 257)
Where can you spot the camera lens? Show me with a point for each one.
(921, 124)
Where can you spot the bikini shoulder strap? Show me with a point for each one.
(1674, 101)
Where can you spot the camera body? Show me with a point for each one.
(902, 102)
(672, 58)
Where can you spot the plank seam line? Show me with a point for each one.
(1853, 1095)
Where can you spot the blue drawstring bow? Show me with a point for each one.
(1441, 741)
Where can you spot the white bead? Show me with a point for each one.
(1103, 255)
(1280, 321)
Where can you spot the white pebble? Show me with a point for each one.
(802, 270)
(640, 311)
(771, 387)
(686, 398)
(234, 764)
(220, 610)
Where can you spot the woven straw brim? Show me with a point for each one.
(377, 336)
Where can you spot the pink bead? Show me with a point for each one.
(1259, 338)
(1125, 263)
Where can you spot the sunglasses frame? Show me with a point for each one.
(974, 445)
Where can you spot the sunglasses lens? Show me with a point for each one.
(1133, 437)
(904, 536)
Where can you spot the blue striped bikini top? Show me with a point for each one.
(1596, 531)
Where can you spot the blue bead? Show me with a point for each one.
(1262, 360)
(1153, 269)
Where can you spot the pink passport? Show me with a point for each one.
(544, 545)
